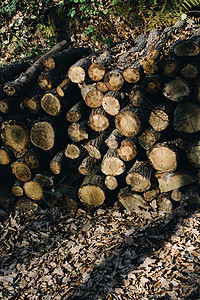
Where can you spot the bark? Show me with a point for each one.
(91, 95)
(88, 166)
(111, 102)
(93, 147)
(170, 67)
(32, 104)
(75, 113)
(151, 84)
(24, 204)
(31, 159)
(17, 188)
(190, 71)
(193, 154)
(44, 180)
(63, 87)
(148, 138)
(78, 132)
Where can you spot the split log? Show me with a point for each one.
(72, 151)
(75, 113)
(111, 102)
(193, 154)
(88, 166)
(151, 194)
(111, 164)
(42, 135)
(21, 171)
(187, 117)
(176, 89)
(128, 121)
(171, 181)
(127, 150)
(131, 200)
(163, 157)
(98, 120)
(24, 80)
(92, 190)
(77, 72)
(113, 139)
(93, 147)
(111, 183)
(91, 95)
(97, 70)
(186, 48)
(17, 189)
(170, 67)
(77, 132)
(16, 137)
(139, 176)
(148, 138)
(159, 117)
(5, 156)
(57, 162)
(114, 80)
(33, 190)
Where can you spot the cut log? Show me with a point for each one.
(187, 117)
(16, 137)
(63, 87)
(51, 104)
(44, 180)
(127, 150)
(87, 166)
(136, 96)
(17, 189)
(111, 183)
(193, 154)
(93, 147)
(98, 120)
(102, 87)
(186, 48)
(32, 104)
(77, 72)
(151, 194)
(128, 121)
(190, 71)
(176, 89)
(149, 62)
(56, 162)
(75, 113)
(151, 84)
(92, 190)
(42, 135)
(114, 80)
(177, 195)
(111, 164)
(5, 156)
(113, 139)
(170, 67)
(192, 197)
(21, 171)
(97, 70)
(33, 190)
(31, 159)
(171, 181)
(4, 106)
(77, 132)
(91, 95)
(163, 157)
(25, 204)
(132, 74)
(139, 176)
(131, 200)
(197, 90)
(148, 138)
(111, 102)
(24, 80)
(164, 203)
(159, 117)
(72, 151)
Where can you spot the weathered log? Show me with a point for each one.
(163, 157)
(177, 195)
(111, 102)
(33, 190)
(93, 147)
(192, 197)
(164, 203)
(42, 135)
(176, 89)
(98, 120)
(102, 87)
(127, 150)
(5, 106)
(111, 164)
(63, 87)
(114, 80)
(128, 121)
(75, 113)
(151, 84)
(149, 62)
(193, 154)
(31, 159)
(159, 117)
(148, 138)
(16, 137)
(44, 180)
(91, 95)
(186, 48)
(187, 117)
(78, 132)
(170, 67)
(5, 156)
(92, 190)
(131, 200)
(72, 151)
(111, 183)
(10, 88)
(113, 139)
(32, 104)
(50, 103)
(21, 171)
(97, 70)
(25, 204)
(151, 194)
(171, 181)
(136, 96)
(197, 90)
(190, 71)
(87, 166)
(139, 176)
(57, 162)
(17, 188)
(77, 72)
(132, 74)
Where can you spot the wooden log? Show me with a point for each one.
(32, 104)
(187, 117)
(149, 62)
(127, 150)
(163, 157)
(176, 89)
(24, 80)
(31, 159)
(114, 80)
(63, 87)
(111, 164)
(190, 71)
(98, 120)
(77, 72)
(97, 70)
(4, 106)
(151, 194)
(87, 166)
(171, 181)
(25, 204)
(50, 103)
(136, 96)
(77, 132)
(133, 73)
(159, 117)
(128, 121)
(192, 197)
(102, 87)
(177, 195)
(57, 162)
(91, 95)
(113, 139)
(148, 138)
(151, 84)
(92, 190)
(139, 176)
(164, 203)
(16, 137)
(111, 102)
(21, 171)
(72, 151)
(75, 113)
(193, 154)
(33, 190)
(186, 48)
(131, 200)
(111, 183)
(42, 135)
(44, 180)
(5, 156)
(93, 146)
(17, 188)
(197, 90)
(170, 67)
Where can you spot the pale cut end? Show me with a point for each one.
(111, 182)
(17, 191)
(112, 166)
(44, 82)
(49, 63)
(159, 120)
(76, 74)
(94, 98)
(131, 75)
(33, 190)
(21, 171)
(127, 150)
(163, 159)
(98, 122)
(91, 195)
(111, 105)
(114, 80)
(76, 133)
(102, 87)
(4, 157)
(72, 151)
(131, 200)
(42, 135)
(51, 104)
(55, 167)
(127, 124)
(138, 182)
(96, 71)
(4, 107)
(93, 151)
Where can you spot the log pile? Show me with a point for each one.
(83, 126)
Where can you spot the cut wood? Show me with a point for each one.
(102, 87)
(56, 162)
(186, 48)
(42, 135)
(32, 104)
(87, 166)
(93, 147)
(33, 190)
(99, 120)
(44, 180)
(114, 139)
(17, 189)
(111, 182)
(127, 150)
(25, 204)
(131, 200)
(148, 138)
(77, 132)
(136, 96)
(114, 80)
(164, 203)
(151, 194)
(177, 195)
(5, 156)
(190, 71)
(63, 87)
(170, 67)
(91, 95)
(75, 113)
(51, 104)
(151, 84)
(77, 72)
(97, 70)
(31, 159)
(112, 164)
(193, 154)
(132, 74)
(111, 102)
(159, 118)
(176, 89)
(21, 171)
(72, 151)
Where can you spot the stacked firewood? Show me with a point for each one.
(96, 126)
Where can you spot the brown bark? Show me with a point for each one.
(31, 159)
(93, 147)
(170, 67)
(44, 180)
(151, 84)
(87, 166)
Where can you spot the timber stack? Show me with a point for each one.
(79, 126)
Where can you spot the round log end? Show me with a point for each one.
(42, 135)
(51, 104)
(21, 171)
(96, 71)
(76, 74)
(94, 98)
(98, 122)
(131, 75)
(4, 157)
(127, 123)
(72, 151)
(114, 80)
(33, 190)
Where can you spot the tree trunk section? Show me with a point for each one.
(111, 164)
(127, 150)
(33, 190)
(42, 135)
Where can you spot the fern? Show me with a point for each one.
(190, 4)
